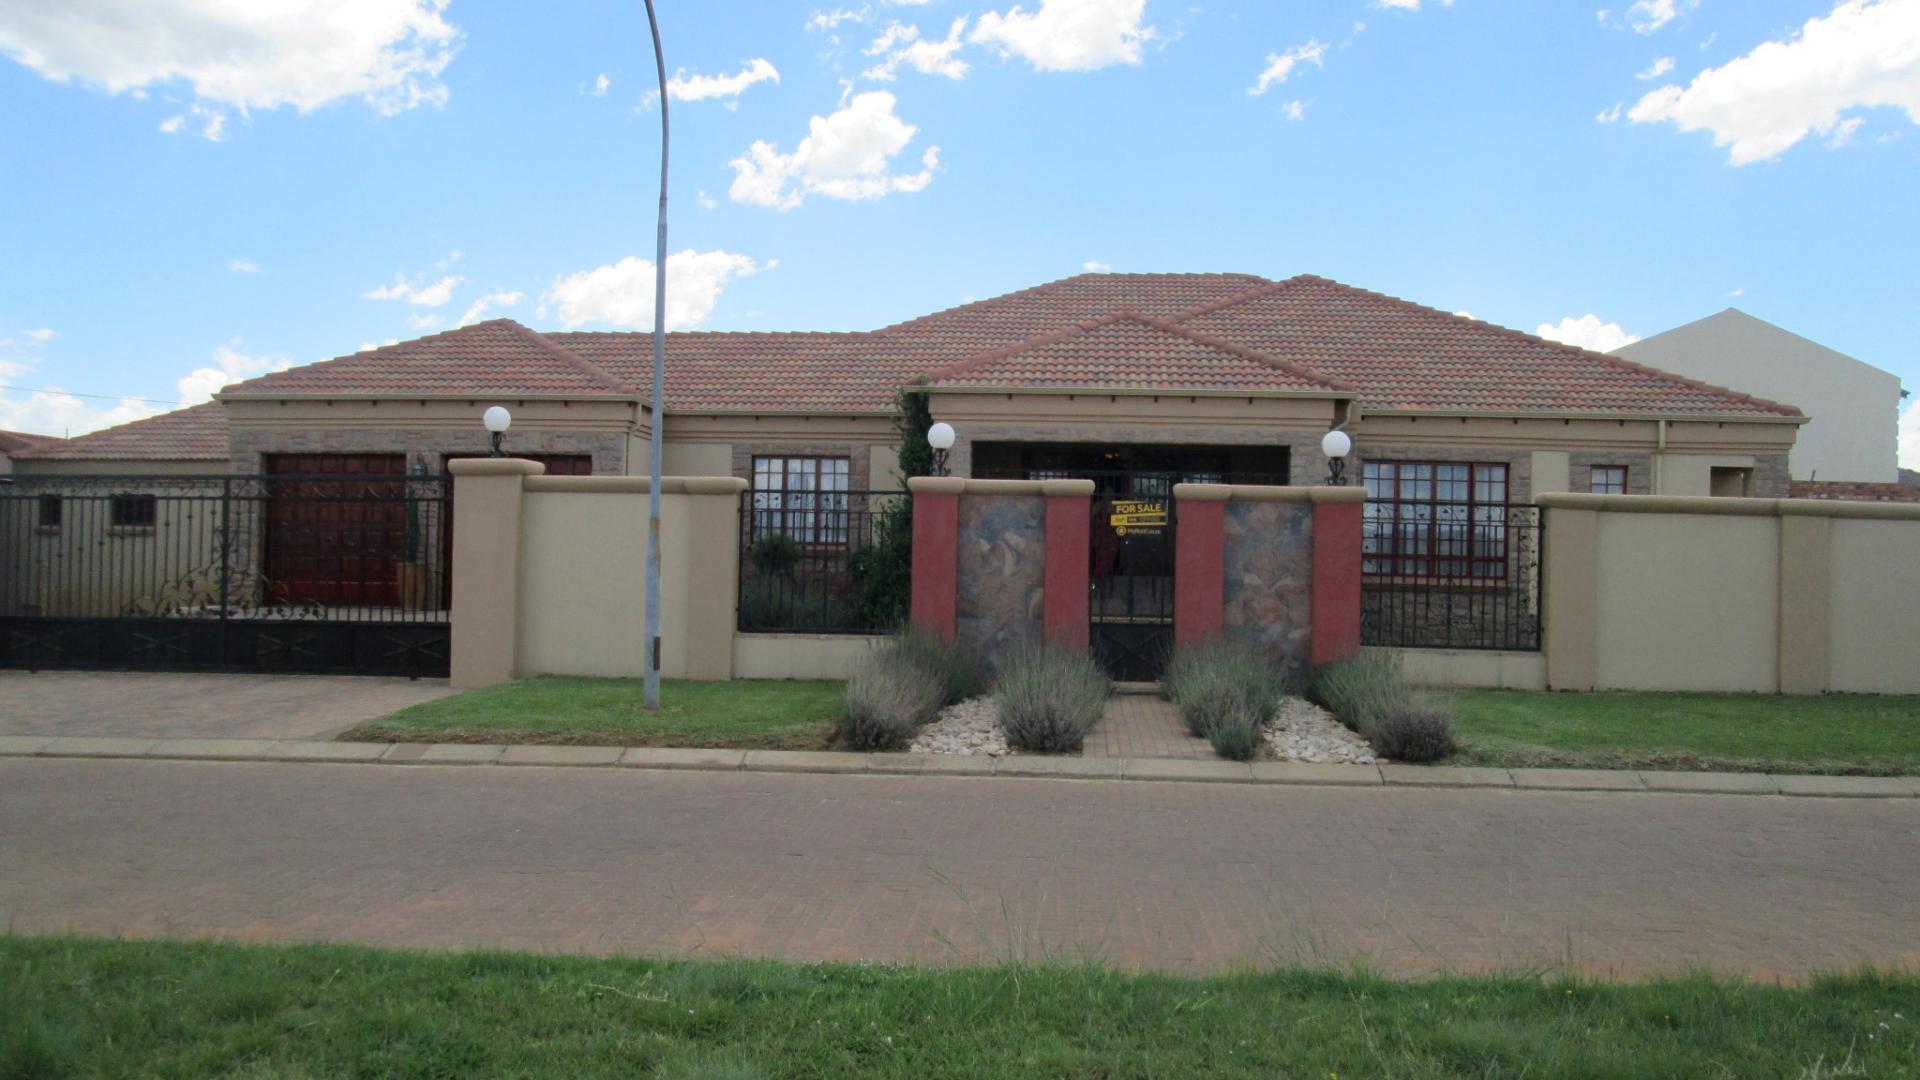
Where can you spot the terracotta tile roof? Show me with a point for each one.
(1394, 354)
(11, 442)
(196, 433)
(1405, 356)
(1129, 352)
(494, 358)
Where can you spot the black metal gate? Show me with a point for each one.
(1131, 575)
(336, 574)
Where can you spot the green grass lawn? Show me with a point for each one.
(1852, 734)
(97, 1008)
(758, 715)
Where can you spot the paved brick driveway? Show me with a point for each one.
(113, 703)
(1177, 876)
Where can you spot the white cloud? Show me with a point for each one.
(1068, 35)
(243, 266)
(40, 336)
(1910, 436)
(621, 293)
(1737, 293)
(600, 84)
(901, 44)
(705, 200)
(1408, 5)
(1863, 54)
(1844, 133)
(1093, 267)
(1467, 315)
(846, 155)
(1294, 110)
(477, 310)
(1281, 65)
(241, 55)
(413, 292)
(1646, 16)
(1587, 332)
(1656, 69)
(1609, 115)
(684, 87)
(828, 20)
(229, 365)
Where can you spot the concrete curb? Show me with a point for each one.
(1145, 770)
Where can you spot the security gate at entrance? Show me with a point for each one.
(1131, 575)
(293, 571)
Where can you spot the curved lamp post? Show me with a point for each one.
(1336, 445)
(940, 436)
(658, 400)
(498, 420)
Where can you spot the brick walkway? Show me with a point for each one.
(181, 706)
(1175, 876)
(1144, 726)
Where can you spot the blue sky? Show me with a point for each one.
(195, 191)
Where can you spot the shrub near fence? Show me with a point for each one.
(828, 562)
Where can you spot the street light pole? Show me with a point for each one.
(659, 389)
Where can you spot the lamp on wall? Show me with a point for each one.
(1336, 444)
(498, 420)
(940, 436)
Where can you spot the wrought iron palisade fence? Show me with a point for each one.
(1452, 576)
(275, 573)
(830, 562)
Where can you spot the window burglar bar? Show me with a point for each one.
(824, 561)
(1451, 575)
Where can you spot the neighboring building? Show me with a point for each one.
(1200, 375)
(1853, 407)
(12, 442)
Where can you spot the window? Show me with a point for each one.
(1730, 482)
(803, 497)
(132, 511)
(51, 509)
(1435, 519)
(1608, 480)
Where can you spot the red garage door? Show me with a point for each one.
(331, 543)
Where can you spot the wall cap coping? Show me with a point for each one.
(1703, 504)
(495, 467)
(1267, 493)
(638, 485)
(1066, 487)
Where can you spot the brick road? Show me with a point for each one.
(1173, 876)
(168, 705)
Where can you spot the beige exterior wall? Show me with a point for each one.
(1716, 594)
(1470, 669)
(31, 467)
(1874, 606)
(798, 656)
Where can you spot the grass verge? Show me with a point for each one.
(86, 1007)
(1838, 734)
(743, 714)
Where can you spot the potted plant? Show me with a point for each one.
(410, 573)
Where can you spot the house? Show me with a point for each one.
(12, 442)
(1203, 375)
(1852, 407)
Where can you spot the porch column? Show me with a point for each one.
(1335, 593)
(1069, 536)
(1199, 561)
(486, 568)
(936, 553)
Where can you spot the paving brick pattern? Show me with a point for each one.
(935, 869)
(184, 706)
(1144, 726)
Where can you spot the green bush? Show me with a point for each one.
(1237, 732)
(1219, 679)
(1049, 698)
(775, 553)
(1415, 731)
(897, 688)
(1360, 690)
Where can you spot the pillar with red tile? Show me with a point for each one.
(1199, 561)
(1337, 516)
(936, 554)
(1064, 600)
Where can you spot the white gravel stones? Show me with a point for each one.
(971, 727)
(1303, 731)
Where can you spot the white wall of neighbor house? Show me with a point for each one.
(1854, 406)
